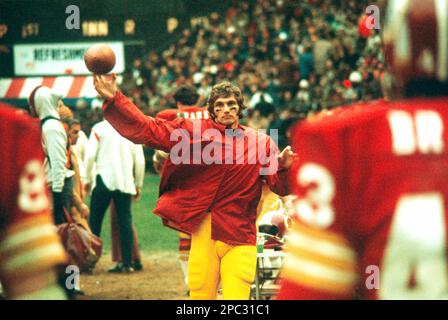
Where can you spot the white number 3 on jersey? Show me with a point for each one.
(315, 208)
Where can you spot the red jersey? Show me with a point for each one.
(370, 213)
(231, 192)
(170, 115)
(28, 239)
(187, 113)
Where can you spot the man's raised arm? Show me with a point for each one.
(129, 121)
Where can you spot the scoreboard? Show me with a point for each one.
(71, 20)
(71, 27)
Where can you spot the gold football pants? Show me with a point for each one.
(212, 261)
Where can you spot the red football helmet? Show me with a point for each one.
(416, 40)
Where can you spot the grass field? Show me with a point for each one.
(152, 235)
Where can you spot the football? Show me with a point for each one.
(99, 59)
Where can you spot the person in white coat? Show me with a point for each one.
(119, 172)
(44, 104)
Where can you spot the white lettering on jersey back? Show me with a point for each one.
(429, 127)
(422, 133)
(416, 249)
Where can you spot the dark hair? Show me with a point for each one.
(225, 89)
(186, 95)
(70, 121)
(425, 88)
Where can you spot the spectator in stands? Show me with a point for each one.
(322, 50)
(306, 63)
(257, 121)
(265, 41)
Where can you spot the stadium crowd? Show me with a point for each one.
(290, 59)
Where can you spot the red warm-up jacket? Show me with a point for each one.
(230, 192)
